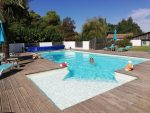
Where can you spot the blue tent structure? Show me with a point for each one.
(2, 35)
(115, 35)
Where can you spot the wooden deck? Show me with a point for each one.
(18, 94)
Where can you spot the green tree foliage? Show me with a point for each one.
(52, 18)
(128, 26)
(51, 26)
(94, 28)
(123, 43)
(34, 19)
(21, 25)
(11, 10)
(68, 28)
(125, 27)
(78, 37)
(16, 30)
(36, 29)
(111, 28)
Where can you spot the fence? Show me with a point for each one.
(99, 43)
(78, 44)
(19, 47)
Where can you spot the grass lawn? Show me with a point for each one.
(140, 48)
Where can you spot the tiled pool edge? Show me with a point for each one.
(104, 54)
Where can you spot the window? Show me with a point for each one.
(143, 42)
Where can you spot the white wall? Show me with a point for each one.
(136, 42)
(16, 48)
(145, 43)
(43, 44)
(86, 45)
(69, 44)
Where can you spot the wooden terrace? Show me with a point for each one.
(18, 94)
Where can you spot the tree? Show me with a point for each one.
(123, 43)
(36, 29)
(50, 26)
(51, 18)
(11, 10)
(16, 32)
(94, 28)
(128, 26)
(53, 33)
(34, 19)
(68, 27)
(111, 28)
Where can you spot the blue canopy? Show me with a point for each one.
(115, 35)
(2, 35)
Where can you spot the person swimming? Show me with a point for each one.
(91, 60)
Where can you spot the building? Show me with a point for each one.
(119, 36)
(141, 40)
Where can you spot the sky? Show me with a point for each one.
(81, 10)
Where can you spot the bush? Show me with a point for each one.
(123, 43)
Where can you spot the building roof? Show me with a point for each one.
(144, 36)
(119, 36)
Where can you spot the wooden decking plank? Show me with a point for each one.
(29, 101)
(12, 99)
(34, 94)
(115, 100)
(143, 105)
(0, 103)
(4, 100)
(135, 109)
(31, 90)
(105, 105)
(93, 106)
(13, 103)
(135, 91)
(77, 109)
(27, 98)
(127, 95)
(132, 97)
(23, 105)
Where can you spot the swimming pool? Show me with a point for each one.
(80, 68)
(81, 80)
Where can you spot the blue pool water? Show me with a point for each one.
(79, 67)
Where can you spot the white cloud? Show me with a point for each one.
(142, 17)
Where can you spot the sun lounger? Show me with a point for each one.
(14, 55)
(14, 61)
(124, 49)
(111, 48)
(5, 67)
